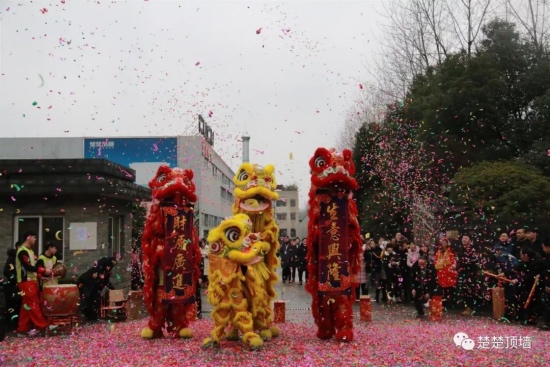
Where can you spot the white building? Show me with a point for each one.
(287, 211)
(213, 177)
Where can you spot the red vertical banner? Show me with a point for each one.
(178, 262)
(334, 278)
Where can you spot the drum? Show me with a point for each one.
(59, 300)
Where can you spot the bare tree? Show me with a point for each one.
(468, 18)
(370, 107)
(419, 34)
(533, 16)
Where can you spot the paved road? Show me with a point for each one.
(298, 305)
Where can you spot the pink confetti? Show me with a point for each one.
(128, 174)
(155, 147)
(259, 30)
(392, 337)
(197, 63)
(259, 151)
(44, 10)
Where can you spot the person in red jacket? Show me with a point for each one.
(28, 275)
(447, 276)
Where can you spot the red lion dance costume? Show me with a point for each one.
(171, 254)
(334, 243)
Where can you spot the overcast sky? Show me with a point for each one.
(287, 73)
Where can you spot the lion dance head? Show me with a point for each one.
(330, 168)
(254, 188)
(234, 240)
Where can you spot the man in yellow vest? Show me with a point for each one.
(27, 281)
(48, 260)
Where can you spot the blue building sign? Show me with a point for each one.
(144, 155)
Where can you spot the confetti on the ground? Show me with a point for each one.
(387, 341)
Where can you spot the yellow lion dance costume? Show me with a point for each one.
(233, 247)
(254, 192)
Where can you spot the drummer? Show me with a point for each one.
(48, 260)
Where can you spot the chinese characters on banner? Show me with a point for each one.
(178, 260)
(506, 342)
(334, 276)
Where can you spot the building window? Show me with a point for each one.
(49, 229)
(282, 232)
(292, 202)
(281, 216)
(225, 194)
(292, 216)
(116, 236)
(281, 202)
(293, 232)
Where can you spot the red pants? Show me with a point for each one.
(30, 313)
(174, 316)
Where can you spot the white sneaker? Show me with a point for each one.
(427, 304)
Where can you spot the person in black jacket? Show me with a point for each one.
(530, 267)
(301, 253)
(91, 283)
(286, 252)
(423, 282)
(198, 299)
(11, 293)
(376, 274)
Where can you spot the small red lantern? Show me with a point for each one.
(365, 308)
(436, 308)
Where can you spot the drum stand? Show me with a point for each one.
(113, 306)
(62, 320)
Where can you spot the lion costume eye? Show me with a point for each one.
(161, 178)
(215, 248)
(232, 234)
(320, 162)
(243, 176)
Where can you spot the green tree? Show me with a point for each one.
(487, 107)
(502, 193)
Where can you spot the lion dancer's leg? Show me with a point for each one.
(156, 320)
(263, 321)
(221, 317)
(262, 313)
(325, 321)
(243, 320)
(179, 317)
(342, 311)
(275, 331)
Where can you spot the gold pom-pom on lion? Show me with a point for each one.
(237, 274)
(254, 193)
